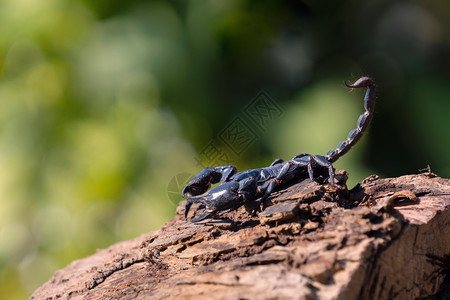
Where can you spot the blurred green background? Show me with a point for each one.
(104, 104)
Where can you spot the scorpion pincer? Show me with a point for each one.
(236, 189)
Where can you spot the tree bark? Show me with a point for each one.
(384, 239)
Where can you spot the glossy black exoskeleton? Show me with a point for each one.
(236, 189)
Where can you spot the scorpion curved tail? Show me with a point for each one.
(363, 120)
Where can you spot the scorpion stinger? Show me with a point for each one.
(309, 161)
(362, 123)
(236, 189)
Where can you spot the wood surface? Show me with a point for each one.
(384, 239)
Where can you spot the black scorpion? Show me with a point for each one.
(236, 189)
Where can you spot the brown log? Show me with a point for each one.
(384, 239)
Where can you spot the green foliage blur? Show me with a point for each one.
(104, 103)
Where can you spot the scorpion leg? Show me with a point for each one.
(247, 190)
(304, 160)
(310, 170)
(281, 177)
(300, 155)
(277, 161)
(272, 183)
(301, 160)
(202, 181)
(322, 161)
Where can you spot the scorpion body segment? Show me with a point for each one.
(362, 123)
(237, 188)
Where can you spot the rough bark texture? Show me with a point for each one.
(384, 239)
